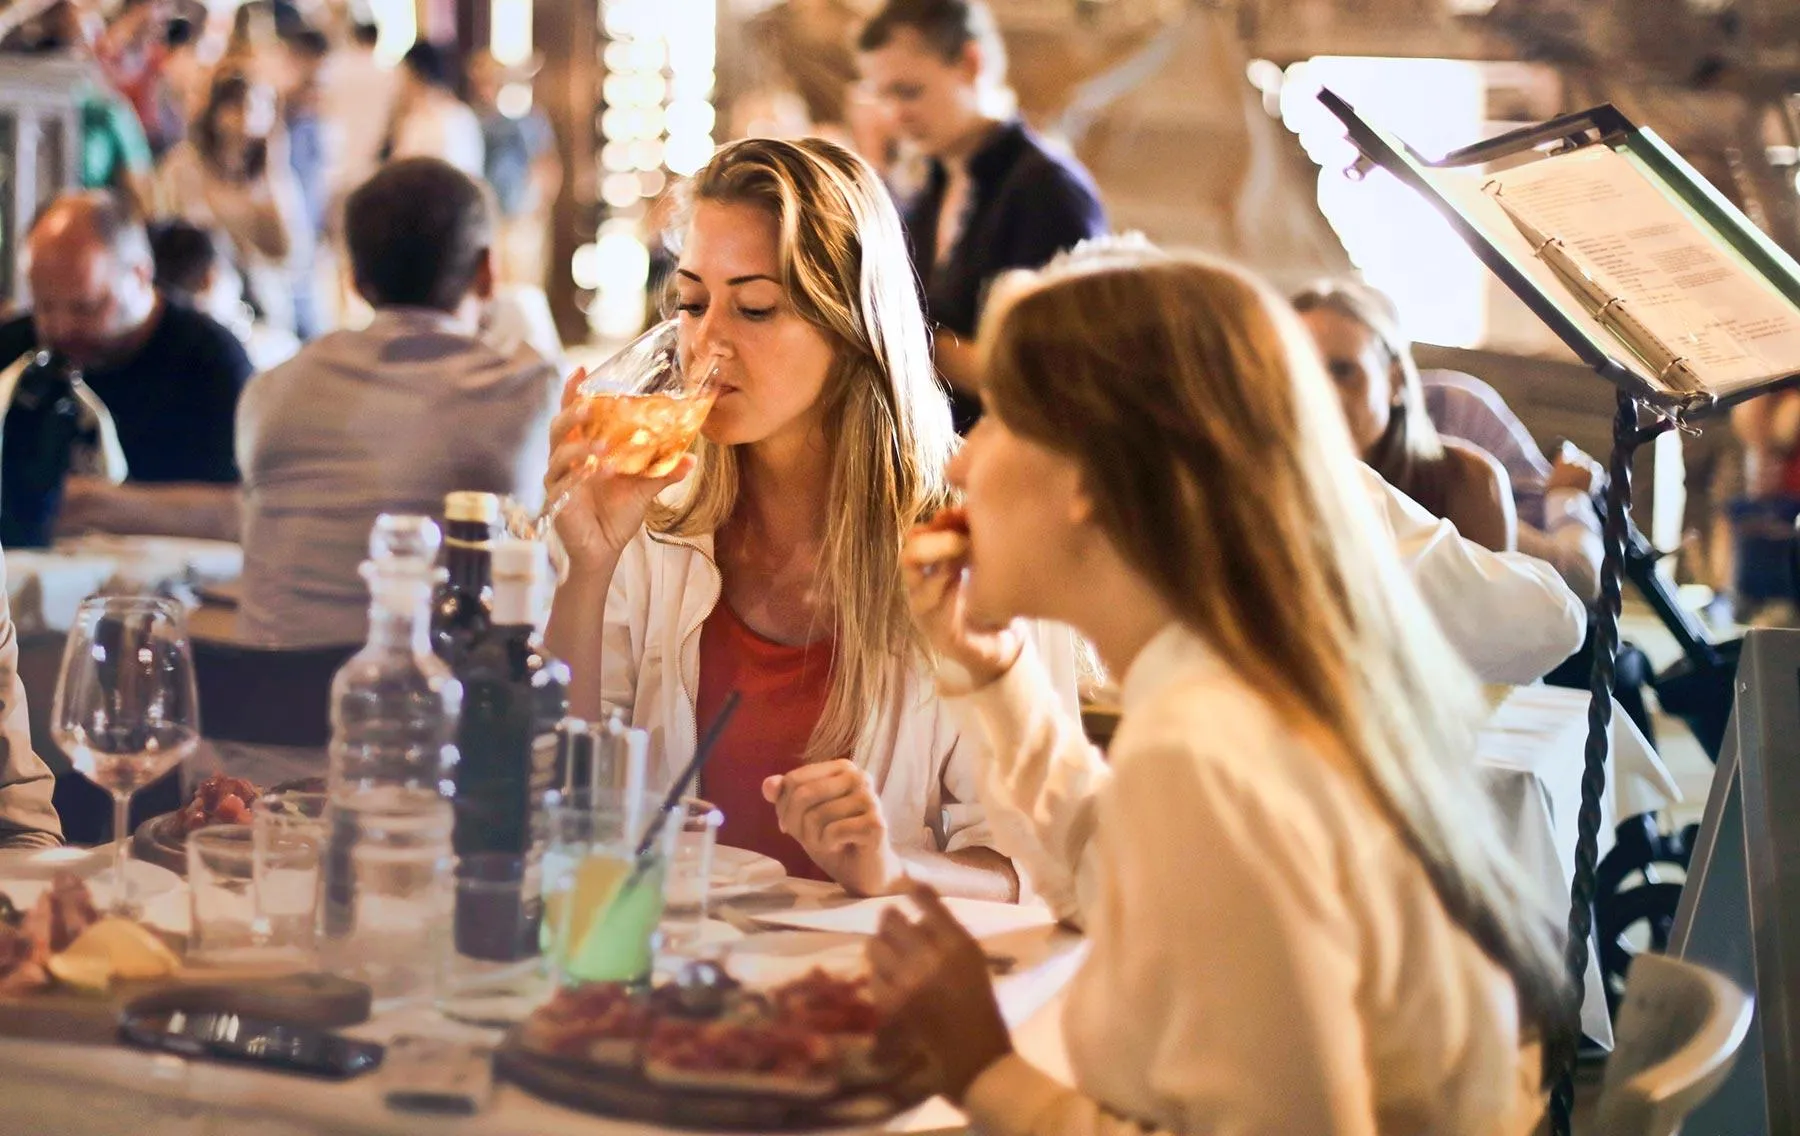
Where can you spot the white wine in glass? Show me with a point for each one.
(126, 710)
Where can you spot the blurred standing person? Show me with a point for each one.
(430, 121)
(113, 152)
(996, 197)
(231, 174)
(307, 51)
(356, 98)
(131, 53)
(522, 165)
(181, 95)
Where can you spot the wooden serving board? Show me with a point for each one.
(626, 1094)
(60, 1014)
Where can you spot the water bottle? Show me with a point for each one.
(387, 885)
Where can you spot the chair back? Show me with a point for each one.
(266, 696)
(1678, 1035)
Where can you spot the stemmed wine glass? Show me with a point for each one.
(126, 709)
(645, 405)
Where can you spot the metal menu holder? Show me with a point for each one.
(1672, 295)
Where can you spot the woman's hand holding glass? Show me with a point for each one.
(936, 593)
(929, 978)
(831, 808)
(605, 509)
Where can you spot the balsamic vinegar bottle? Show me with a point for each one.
(514, 695)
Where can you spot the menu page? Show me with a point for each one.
(1729, 326)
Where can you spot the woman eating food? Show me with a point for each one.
(1370, 362)
(774, 569)
(1301, 916)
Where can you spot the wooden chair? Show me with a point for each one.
(1678, 1035)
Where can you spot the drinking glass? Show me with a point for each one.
(222, 891)
(493, 972)
(126, 711)
(696, 825)
(645, 405)
(290, 834)
(600, 912)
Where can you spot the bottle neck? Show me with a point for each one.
(400, 615)
(467, 555)
(512, 602)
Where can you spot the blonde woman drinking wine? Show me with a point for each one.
(1302, 918)
(774, 570)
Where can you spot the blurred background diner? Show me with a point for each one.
(272, 268)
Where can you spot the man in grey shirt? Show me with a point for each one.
(387, 419)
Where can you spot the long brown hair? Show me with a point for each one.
(1215, 451)
(845, 269)
(1409, 455)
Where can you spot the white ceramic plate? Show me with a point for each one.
(737, 870)
(26, 872)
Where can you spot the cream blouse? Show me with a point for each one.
(1267, 958)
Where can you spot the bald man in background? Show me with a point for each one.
(168, 375)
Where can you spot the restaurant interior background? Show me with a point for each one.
(1199, 123)
(1196, 118)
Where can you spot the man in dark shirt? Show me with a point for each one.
(997, 197)
(168, 375)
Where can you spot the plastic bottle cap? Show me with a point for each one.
(479, 508)
(401, 536)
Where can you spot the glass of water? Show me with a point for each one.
(290, 833)
(696, 825)
(493, 970)
(222, 891)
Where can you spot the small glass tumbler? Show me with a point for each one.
(689, 877)
(290, 834)
(222, 891)
(493, 969)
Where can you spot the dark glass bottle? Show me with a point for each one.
(459, 608)
(48, 434)
(514, 695)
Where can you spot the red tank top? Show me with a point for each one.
(783, 691)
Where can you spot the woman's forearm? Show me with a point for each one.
(574, 634)
(973, 873)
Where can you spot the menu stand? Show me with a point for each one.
(1649, 401)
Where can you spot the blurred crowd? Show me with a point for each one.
(238, 133)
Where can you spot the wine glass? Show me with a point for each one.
(126, 710)
(646, 404)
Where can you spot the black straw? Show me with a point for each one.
(688, 776)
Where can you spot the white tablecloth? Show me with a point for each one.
(72, 1091)
(45, 586)
(1532, 755)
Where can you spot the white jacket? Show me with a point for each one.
(922, 765)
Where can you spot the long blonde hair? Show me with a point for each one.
(1213, 446)
(845, 269)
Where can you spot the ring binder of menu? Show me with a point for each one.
(1662, 288)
